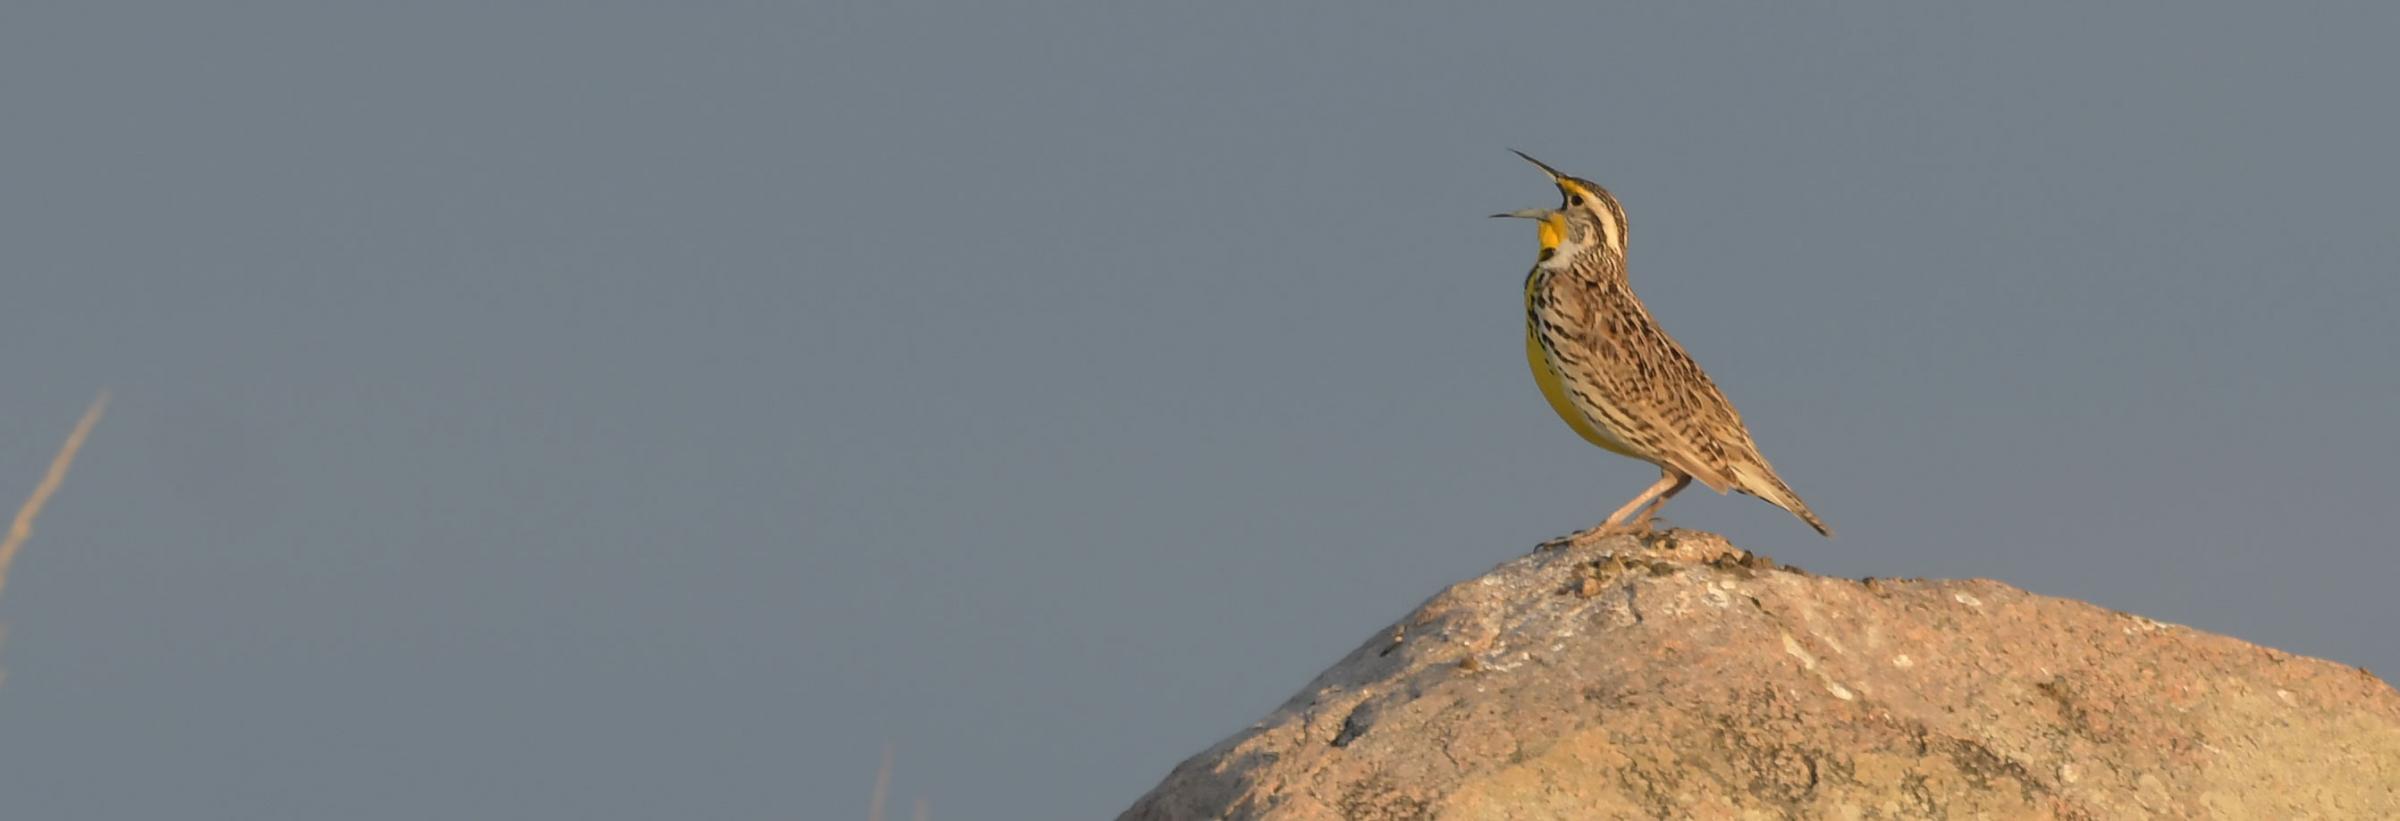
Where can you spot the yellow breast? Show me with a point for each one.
(1556, 391)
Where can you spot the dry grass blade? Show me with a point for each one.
(883, 786)
(22, 528)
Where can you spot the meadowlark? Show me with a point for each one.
(1617, 378)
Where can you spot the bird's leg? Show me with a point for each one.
(1641, 522)
(1668, 482)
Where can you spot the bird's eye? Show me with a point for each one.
(1577, 199)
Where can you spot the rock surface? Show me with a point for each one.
(1689, 679)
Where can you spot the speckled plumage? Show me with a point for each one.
(1605, 363)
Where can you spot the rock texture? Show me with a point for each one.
(1688, 679)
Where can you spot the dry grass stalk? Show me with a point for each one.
(22, 527)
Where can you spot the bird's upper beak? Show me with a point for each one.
(1546, 169)
(1528, 213)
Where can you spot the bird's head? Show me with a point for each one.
(1587, 220)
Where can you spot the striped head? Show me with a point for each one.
(1587, 221)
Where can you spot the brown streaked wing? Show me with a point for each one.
(1633, 378)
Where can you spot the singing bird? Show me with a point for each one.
(1617, 378)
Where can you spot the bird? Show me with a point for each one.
(1608, 369)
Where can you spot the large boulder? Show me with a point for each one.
(1686, 678)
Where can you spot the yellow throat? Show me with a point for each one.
(1553, 231)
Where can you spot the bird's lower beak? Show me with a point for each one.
(1528, 213)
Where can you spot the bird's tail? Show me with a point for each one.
(1763, 483)
(1800, 509)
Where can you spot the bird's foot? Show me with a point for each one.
(1653, 530)
(1596, 534)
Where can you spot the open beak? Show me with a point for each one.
(1555, 177)
(1558, 178)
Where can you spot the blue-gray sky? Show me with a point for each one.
(635, 411)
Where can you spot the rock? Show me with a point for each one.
(1691, 679)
